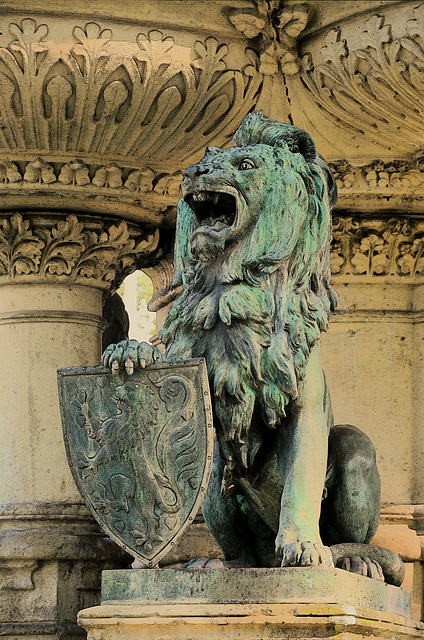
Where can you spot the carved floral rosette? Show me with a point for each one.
(113, 120)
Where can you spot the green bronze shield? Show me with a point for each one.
(140, 448)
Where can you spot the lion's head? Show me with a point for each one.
(252, 252)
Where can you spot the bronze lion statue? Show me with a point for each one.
(252, 253)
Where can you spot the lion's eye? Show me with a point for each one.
(246, 164)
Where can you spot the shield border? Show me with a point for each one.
(209, 432)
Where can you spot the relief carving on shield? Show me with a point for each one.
(140, 449)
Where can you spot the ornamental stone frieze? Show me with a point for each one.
(395, 185)
(380, 248)
(73, 250)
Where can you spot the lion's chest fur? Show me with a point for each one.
(233, 326)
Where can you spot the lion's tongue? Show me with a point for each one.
(218, 226)
(215, 225)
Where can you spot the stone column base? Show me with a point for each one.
(250, 604)
(51, 558)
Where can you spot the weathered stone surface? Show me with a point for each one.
(245, 622)
(51, 558)
(255, 604)
(250, 586)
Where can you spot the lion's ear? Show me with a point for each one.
(182, 252)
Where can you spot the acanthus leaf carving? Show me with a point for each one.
(9, 172)
(150, 98)
(140, 181)
(74, 173)
(374, 90)
(39, 171)
(101, 256)
(20, 248)
(110, 176)
(169, 185)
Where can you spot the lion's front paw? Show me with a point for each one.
(130, 354)
(305, 554)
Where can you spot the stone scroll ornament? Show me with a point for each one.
(140, 450)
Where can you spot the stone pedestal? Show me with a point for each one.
(310, 602)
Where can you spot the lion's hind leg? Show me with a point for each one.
(245, 539)
(350, 511)
(351, 507)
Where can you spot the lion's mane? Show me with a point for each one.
(256, 318)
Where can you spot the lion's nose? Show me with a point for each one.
(195, 171)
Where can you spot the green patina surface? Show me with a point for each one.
(252, 254)
(140, 449)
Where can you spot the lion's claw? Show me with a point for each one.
(130, 355)
(305, 554)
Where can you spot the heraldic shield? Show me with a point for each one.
(140, 449)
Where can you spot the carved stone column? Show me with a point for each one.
(53, 272)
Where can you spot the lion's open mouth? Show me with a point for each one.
(213, 208)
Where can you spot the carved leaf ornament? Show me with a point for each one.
(378, 247)
(377, 90)
(148, 99)
(278, 26)
(72, 249)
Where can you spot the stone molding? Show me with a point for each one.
(125, 185)
(40, 532)
(48, 315)
(381, 177)
(141, 193)
(409, 514)
(371, 90)
(245, 622)
(78, 250)
(17, 575)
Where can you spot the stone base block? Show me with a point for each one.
(247, 604)
(51, 558)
